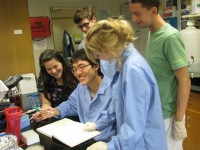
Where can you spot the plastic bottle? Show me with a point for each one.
(191, 39)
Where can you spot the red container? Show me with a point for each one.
(13, 120)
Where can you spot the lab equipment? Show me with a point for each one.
(11, 84)
(14, 97)
(25, 121)
(8, 142)
(195, 8)
(34, 100)
(12, 81)
(13, 120)
(191, 38)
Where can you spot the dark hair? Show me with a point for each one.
(69, 81)
(81, 55)
(148, 3)
(82, 13)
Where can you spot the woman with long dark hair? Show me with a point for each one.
(56, 81)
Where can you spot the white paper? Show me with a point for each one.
(68, 132)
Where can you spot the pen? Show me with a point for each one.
(31, 118)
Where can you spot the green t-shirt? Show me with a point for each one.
(166, 53)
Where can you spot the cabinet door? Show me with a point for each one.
(192, 142)
(16, 50)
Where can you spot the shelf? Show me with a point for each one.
(190, 16)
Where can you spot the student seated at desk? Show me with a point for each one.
(56, 81)
(91, 96)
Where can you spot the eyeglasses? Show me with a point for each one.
(84, 25)
(81, 68)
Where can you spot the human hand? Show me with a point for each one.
(98, 146)
(90, 126)
(36, 116)
(43, 114)
(179, 130)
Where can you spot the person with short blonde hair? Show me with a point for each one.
(116, 42)
(136, 105)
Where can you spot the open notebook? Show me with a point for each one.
(68, 132)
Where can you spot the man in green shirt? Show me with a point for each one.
(166, 55)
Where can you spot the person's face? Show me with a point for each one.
(54, 68)
(85, 24)
(140, 15)
(84, 71)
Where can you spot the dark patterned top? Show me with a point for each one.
(55, 94)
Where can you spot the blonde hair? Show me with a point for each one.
(109, 36)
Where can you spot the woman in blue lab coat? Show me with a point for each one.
(136, 104)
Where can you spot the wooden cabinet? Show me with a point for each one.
(16, 51)
(192, 142)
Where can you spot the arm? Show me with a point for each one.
(182, 76)
(45, 103)
(65, 108)
(44, 114)
(176, 55)
(106, 118)
(40, 85)
(69, 107)
(179, 130)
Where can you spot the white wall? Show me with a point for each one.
(42, 8)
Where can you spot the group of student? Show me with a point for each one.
(137, 103)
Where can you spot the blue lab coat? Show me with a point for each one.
(136, 106)
(79, 103)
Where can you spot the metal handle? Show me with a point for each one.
(188, 121)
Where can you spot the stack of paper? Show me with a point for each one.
(30, 137)
(68, 132)
(28, 84)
